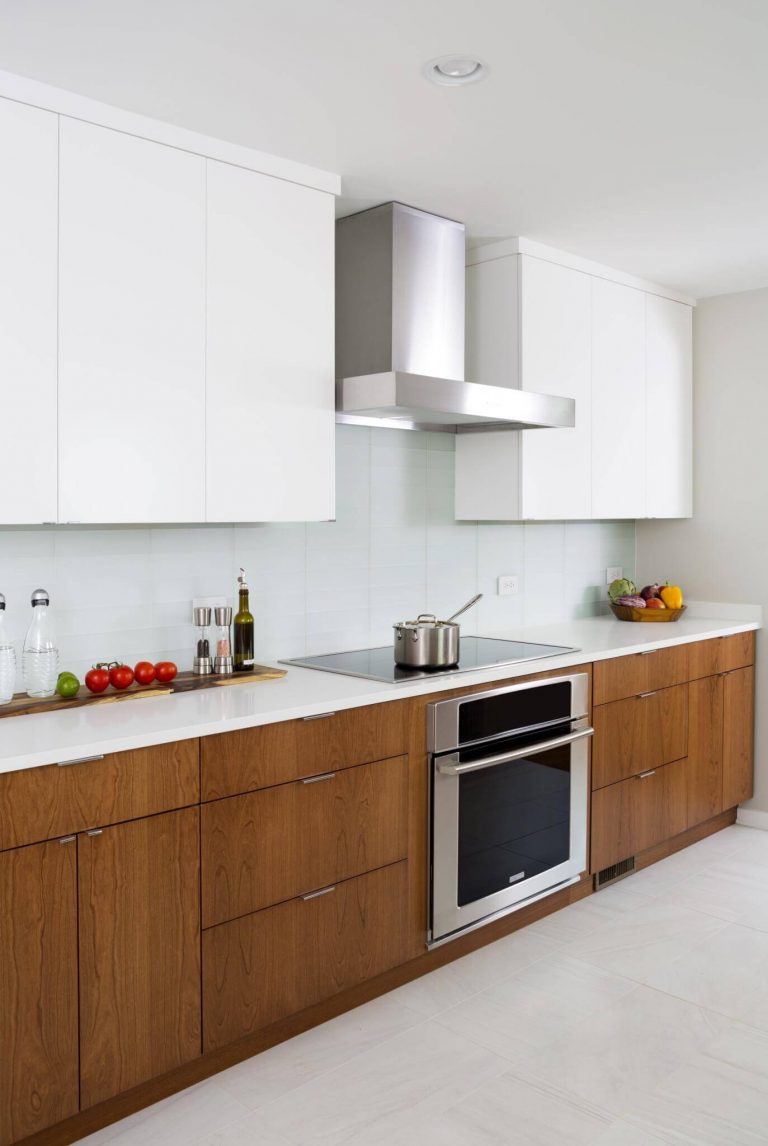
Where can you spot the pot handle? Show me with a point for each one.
(426, 617)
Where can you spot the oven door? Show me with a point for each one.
(506, 826)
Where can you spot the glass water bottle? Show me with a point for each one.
(243, 626)
(40, 660)
(7, 659)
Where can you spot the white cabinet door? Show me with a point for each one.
(669, 429)
(132, 329)
(618, 400)
(270, 349)
(28, 225)
(555, 354)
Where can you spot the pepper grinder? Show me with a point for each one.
(202, 665)
(223, 662)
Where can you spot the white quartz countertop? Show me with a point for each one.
(91, 730)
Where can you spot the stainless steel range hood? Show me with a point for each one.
(400, 331)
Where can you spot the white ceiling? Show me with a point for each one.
(628, 131)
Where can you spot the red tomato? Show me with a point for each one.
(97, 679)
(144, 672)
(121, 676)
(165, 671)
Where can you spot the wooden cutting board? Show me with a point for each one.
(23, 705)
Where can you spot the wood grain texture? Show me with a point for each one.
(738, 735)
(42, 803)
(253, 758)
(38, 988)
(642, 732)
(721, 654)
(705, 749)
(267, 846)
(265, 966)
(637, 813)
(139, 951)
(641, 672)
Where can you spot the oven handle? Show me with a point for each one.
(447, 769)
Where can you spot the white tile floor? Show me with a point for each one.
(636, 1017)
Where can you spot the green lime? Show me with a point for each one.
(68, 686)
(67, 676)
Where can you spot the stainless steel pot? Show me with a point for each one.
(427, 643)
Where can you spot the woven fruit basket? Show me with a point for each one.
(631, 613)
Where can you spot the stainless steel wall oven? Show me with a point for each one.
(509, 773)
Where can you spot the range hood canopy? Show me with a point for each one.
(400, 331)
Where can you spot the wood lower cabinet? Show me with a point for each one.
(639, 733)
(705, 749)
(638, 813)
(38, 988)
(738, 735)
(272, 845)
(139, 914)
(620, 677)
(273, 963)
(722, 654)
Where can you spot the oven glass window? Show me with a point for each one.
(514, 822)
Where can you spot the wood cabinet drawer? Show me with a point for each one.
(253, 758)
(637, 813)
(642, 732)
(641, 672)
(264, 966)
(722, 654)
(57, 800)
(277, 843)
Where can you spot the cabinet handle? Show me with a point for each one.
(317, 894)
(647, 652)
(95, 832)
(67, 839)
(317, 779)
(643, 695)
(79, 760)
(645, 775)
(320, 716)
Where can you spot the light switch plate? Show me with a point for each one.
(614, 573)
(508, 585)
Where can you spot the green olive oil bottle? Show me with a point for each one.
(243, 628)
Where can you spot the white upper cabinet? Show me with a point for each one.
(28, 198)
(270, 349)
(131, 329)
(618, 400)
(668, 408)
(622, 351)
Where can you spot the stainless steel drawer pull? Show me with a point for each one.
(79, 760)
(643, 695)
(317, 894)
(647, 652)
(67, 839)
(645, 775)
(317, 779)
(320, 716)
(95, 832)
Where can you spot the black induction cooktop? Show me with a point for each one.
(475, 653)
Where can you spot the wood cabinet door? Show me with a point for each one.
(705, 749)
(272, 845)
(38, 988)
(29, 145)
(668, 407)
(139, 951)
(642, 732)
(131, 327)
(618, 400)
(637, 813)
(273, 963)
(270, 378)
(738, 735)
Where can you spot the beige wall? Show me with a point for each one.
(722, 553)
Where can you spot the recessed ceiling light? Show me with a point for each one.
(454, 70)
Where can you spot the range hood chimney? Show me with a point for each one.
(400, 331)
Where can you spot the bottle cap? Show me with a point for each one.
(241, 579)
(2, 601)
(40, 597)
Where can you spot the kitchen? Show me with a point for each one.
(244, 912)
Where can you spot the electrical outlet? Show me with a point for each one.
(508, 585)
(614, 573)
